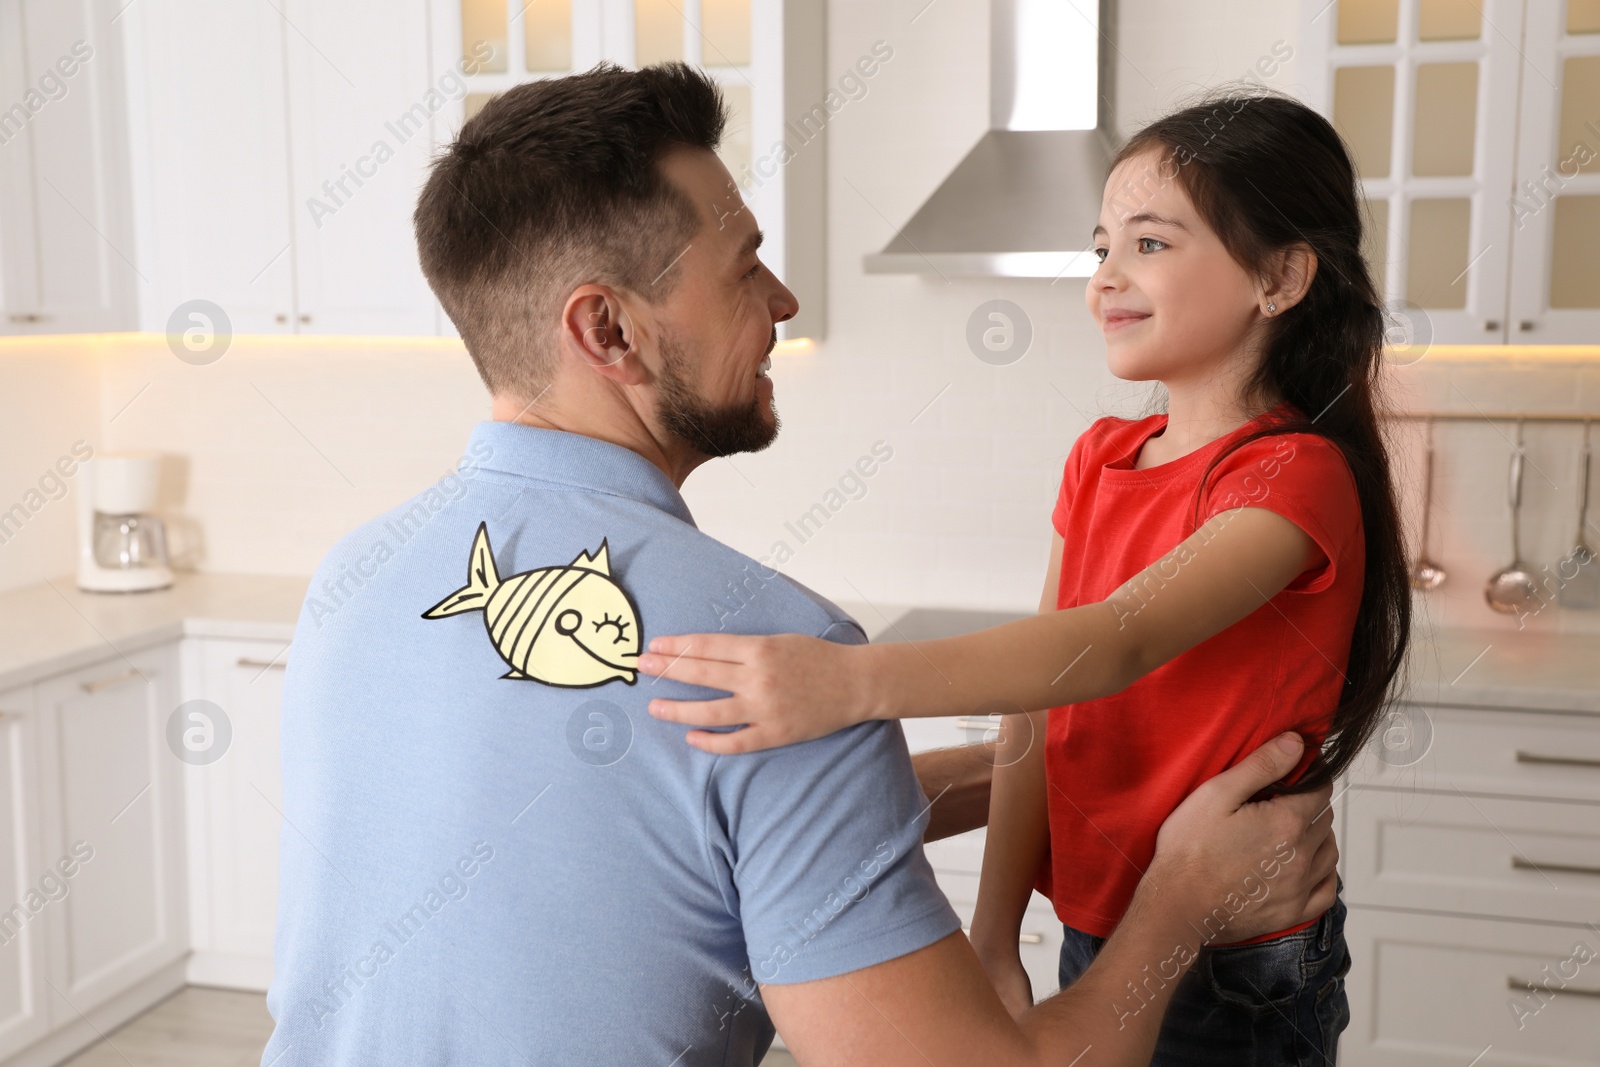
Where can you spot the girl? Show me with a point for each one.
(1220, 574)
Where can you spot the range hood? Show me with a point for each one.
(1024, 201)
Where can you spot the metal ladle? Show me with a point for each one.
(1511, 589)
(1425, 573)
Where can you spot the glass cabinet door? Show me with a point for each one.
(1555, 283)
(1424, 93)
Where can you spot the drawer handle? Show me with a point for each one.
(106, 683)
(1022, 939)
(1521, 864)
(263, 664)
(1561, 761)
(4, 715)
(966, 723)
(1525, 986)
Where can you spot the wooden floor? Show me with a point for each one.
(198, 1027)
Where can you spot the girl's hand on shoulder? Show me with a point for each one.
(786, 688)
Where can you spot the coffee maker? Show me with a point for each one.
(122, 547)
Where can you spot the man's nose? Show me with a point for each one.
(783, 303)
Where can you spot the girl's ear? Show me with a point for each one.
(1296, 267)
(596, 327)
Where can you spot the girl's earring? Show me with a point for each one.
(1271, 307)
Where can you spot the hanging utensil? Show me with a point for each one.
(1582, 590)
(1511, 590)
(1425, 573)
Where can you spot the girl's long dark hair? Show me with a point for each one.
(1266, 173)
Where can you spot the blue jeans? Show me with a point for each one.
(1278, 1003)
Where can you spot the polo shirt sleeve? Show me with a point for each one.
(1304, 478)
(819, 850)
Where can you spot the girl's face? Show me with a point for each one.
(1172, 304)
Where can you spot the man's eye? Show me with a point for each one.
(753, 271)
(1150, 240)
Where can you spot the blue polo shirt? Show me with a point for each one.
(492, 854)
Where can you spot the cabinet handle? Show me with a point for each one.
(1525, 325)
(282, 318)
(1491, 326)
(1524, 986)
(305, 318)
(1022, 939)
(1520, 864)
(30, 316)
(1559, 761)
(263, 664)
(966, 723)
(106, 683)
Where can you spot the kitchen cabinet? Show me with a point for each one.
(22, 990)
(766, 55)
(317, 129)
(1478, 151)
(1473, 881)
(66, 246)
(111, 800)
(235, 817)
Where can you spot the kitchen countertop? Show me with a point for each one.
(54, 627)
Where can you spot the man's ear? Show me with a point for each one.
(597, 328)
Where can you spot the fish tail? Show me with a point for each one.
(482, 580)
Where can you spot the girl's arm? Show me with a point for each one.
(1018, 839)
(792, 688)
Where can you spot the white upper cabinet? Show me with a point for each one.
(767, 56)
(1465, 118)
(67, 261)
(211, 161)
(1555, 286)
(266, 157)
(361, 131)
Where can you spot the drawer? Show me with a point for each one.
(1513, 752)
(1520, 859)
(963, 852)
(1441, 991)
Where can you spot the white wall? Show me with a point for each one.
(283, 447)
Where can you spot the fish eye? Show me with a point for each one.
(618, 622)
(568, 622)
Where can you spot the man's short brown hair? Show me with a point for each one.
(555, 184)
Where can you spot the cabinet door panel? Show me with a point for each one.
(22, 902)
(113, 791)
(79, 273)
(362, 119)
(243, 795)
(1556, 201)
(215, 166)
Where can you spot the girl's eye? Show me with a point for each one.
(1150, 240)
(1100, 254)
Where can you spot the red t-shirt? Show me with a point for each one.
(1119, 765)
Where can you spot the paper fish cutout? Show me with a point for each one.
(571, 626)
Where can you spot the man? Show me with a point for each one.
(491, 852)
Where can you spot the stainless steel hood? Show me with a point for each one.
(1023, 202)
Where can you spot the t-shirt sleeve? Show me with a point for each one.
(1305, 479)
(821, 848)
(1070, 475)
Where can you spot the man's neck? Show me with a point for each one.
(604, 419)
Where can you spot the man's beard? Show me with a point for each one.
(714, 431)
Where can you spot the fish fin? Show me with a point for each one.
(482, 579)
(516, 675)
(599, 561)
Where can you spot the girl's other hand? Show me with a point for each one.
(786, 688)
(1010, 980)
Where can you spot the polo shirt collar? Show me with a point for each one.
(574, 460)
